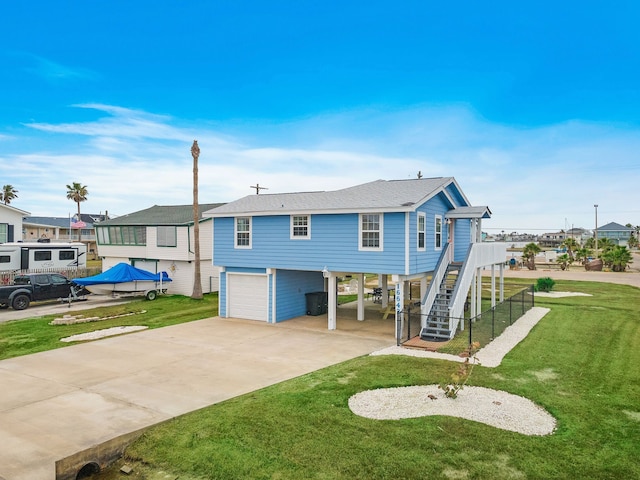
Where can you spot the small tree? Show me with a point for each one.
(571, 245)
(8, 193)
(633, 241)
(617, 258)
(529, 255)
(583, 254)
(78, 193)
(564, 261)
(545, 284)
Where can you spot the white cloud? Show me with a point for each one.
(544, 178)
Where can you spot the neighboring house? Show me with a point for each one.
(11, 223)
(64, 229)
(553, 239)
(273, 249)
(618, 234)
(161, 238)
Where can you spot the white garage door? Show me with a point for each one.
(248, 296)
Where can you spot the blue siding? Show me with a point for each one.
(333, 243)
(462, 239)
(291, 287)
(427, 260)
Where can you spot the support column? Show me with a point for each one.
(332, 301)
(479, 290)
(399, 297)
(385, 291)
(360, 297)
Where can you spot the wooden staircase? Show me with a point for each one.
(437, 327)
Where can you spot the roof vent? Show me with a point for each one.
(407, 204)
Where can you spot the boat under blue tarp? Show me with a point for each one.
(122, 273)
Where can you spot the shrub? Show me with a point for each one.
(545, 284)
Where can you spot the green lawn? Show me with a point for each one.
(580, 363)
(22, 337)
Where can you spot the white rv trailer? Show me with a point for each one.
(36, 255)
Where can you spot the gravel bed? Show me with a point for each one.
(105, 332)
(492, 407)
(493, 353)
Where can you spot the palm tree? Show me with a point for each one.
(197, 281)
(583, 254)
(564, 261)
(8, 193)
(78, 193)
(617, 258)
(571, 245)
(529, 255)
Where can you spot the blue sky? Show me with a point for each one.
(534, 107)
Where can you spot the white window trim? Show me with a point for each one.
(300, 237)
(423, 216)
(235, 233)
(435, 232)
(381, 233)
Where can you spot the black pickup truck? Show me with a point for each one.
(34, 287)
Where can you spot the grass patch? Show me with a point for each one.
(23, 337)
(579, 363)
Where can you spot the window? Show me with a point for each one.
(3, 232)
(300, 226)
(41, 256)
(370, 231)
(5, 258)
(243, 232)
(438, 232)
(122, 235)
(422, 230)
(66, 255)
(167, 237)
(58, 280)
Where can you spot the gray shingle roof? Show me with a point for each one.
(161, 215)
(614, 227)
(379, 195)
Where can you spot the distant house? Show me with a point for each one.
(161, 238)
(11, 223)
(273, 249)
(618, 234)
(552, 239)
(64, 229)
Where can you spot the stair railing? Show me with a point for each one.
(478, 255)
(434, 286)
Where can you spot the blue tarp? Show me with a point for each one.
(121, 273)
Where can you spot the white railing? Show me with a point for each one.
(434, 286)
(479, 255)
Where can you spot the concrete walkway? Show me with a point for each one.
(56, 403)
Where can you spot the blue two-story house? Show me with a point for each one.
(273, 249)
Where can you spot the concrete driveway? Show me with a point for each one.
(56, 403)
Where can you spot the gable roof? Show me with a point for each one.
(469, 212)
(161, 215)
(14, 209)
(376, 196)
(614, 227)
